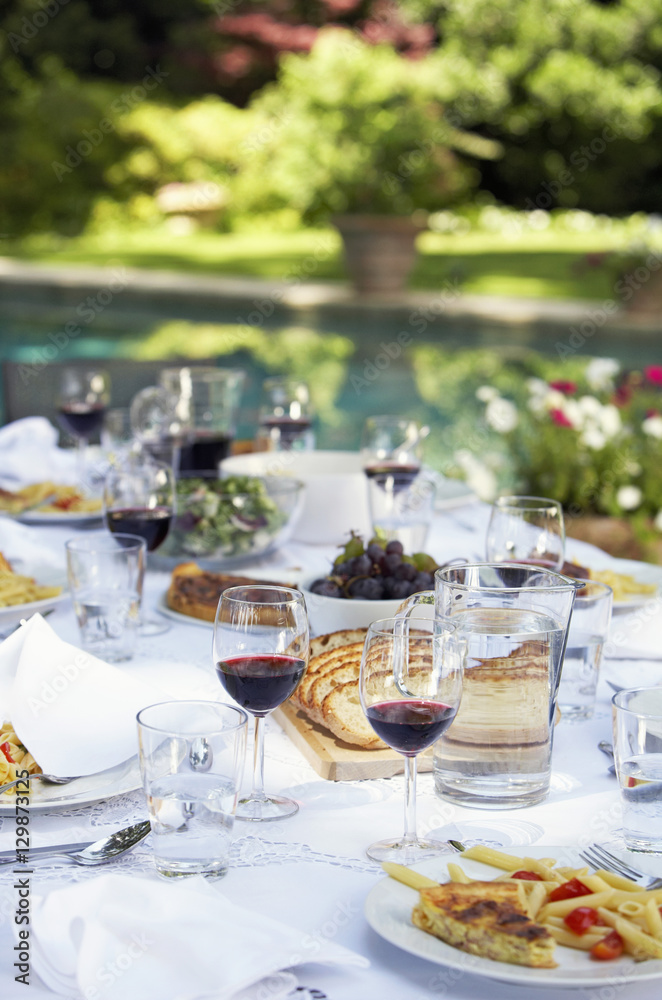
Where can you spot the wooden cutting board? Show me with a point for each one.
(337, 761)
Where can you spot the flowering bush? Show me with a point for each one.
(593, 443)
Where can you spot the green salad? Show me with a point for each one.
(224, 517)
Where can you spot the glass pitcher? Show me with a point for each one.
(515, 620)
(206, 403)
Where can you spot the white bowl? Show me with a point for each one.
(330, 614)
(336, 496)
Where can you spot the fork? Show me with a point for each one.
(598, 857)
(50, 779)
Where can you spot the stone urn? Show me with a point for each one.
(380, 251)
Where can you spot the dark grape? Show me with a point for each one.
(394, 548)
(326, 588)
(391, 563)
(361, 565)
(376, 552)
(401, 589)
(368, 588)
(405, 571)
(343, 569)
(423, 581)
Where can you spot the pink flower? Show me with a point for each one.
(654, 374)
(559, 418)
(568, 388)
(652, 413)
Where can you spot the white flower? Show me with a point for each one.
(501, 414)
(658, 520)
(653, 426)
(555, 400)
(536, 386)
(610, 421)
(572, 411)
(600, 373)
(590, 406)
(629, 497)
(593, 438)
(486, 393)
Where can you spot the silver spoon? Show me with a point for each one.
(200, 755)
(106, 849)
(607, 749)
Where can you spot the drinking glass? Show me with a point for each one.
(588, 631)
(191, 761)
(526, 530)
(401, 501)
(515, 622)
(139, 499)
(261, 645)
(637, 718)
(106, 575)
(156, 425)
(286, 420)
(410, 689)
(82, 401)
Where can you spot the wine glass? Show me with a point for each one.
(410, 688)
(401, 500)
(286, 419)
(261, 645)
(139, 499)
(82, 401)
(527, 530)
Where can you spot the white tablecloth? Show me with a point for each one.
(311, 871)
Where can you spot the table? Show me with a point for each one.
(311, 870)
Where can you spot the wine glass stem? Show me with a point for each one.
(81, 445)
(410, 799)
(258, 759)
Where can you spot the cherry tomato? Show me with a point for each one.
(6, 750)
(581, 919)
(568, 890)
(530, 876)
(610, 947)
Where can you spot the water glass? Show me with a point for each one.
(191, 761)
(526, 529)
(497, 755)
(106, 575)
(587, 634)
(637, 719)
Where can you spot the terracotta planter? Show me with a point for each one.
(380, 251)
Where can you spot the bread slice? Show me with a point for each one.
(321, 664)
(343, 716)
(487, 919)
(196, 592)
(346, 670)
(332, 640)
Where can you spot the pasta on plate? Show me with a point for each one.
(14, 757)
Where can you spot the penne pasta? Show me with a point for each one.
(570, 940)
(456, 874)
(562, 907)
(653, 919)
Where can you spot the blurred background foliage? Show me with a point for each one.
(569, 91)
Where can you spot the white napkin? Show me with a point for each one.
(27, 549)
(74, 713)
(121, 938)
(29, 454)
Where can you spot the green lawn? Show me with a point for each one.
(548, 264)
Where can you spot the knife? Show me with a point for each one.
(39, 852)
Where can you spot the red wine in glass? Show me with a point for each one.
(203, 453)
(80, 419)
(150, 523)
(392, 476)
(410, 726)
(260, 683)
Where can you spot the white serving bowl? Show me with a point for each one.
(336, 496)
(330, 614)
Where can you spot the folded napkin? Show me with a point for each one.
(74, 713)
(29, 454)
(26, 548)
(121, 938)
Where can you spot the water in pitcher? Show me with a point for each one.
(497, 753)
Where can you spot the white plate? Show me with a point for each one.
(643, 573)
(46, 576)
(117, 780)
(59, 517)
(388, 911)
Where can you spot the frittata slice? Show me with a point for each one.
(486, 919)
